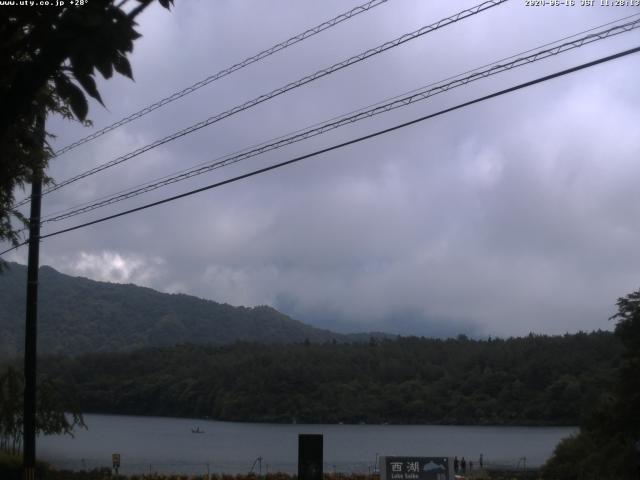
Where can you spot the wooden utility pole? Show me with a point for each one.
(31, 326)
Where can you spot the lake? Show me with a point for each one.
(167, 445)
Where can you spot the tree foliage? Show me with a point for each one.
(48, 62)
(50, 414)
(536, 380)
(604, 447)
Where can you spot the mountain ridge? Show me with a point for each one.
(79, 315)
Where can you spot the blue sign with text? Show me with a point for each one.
(416, 468)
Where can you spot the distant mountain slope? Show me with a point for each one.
(77, 315)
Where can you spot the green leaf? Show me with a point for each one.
(105, 68)
(73, 95)
(89, 85)
(122, 66)
(166, 3)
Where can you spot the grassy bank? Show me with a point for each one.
(11, 469)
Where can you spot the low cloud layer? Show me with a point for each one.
(515, 215)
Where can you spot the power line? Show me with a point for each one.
(279, 91)
(344, 144)
(362, 109)
(227, 71)
(222, 73)
(398, 102)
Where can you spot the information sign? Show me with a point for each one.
(416, 468)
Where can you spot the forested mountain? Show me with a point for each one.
(77, 315)
(536, 380)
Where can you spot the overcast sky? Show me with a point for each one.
(520, 214)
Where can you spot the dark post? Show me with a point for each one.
(637, 455)
(29, 434)
(310, 457)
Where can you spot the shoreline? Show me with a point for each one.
(346, 424)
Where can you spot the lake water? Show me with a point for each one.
(167, 445)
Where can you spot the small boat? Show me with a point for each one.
(197, 430)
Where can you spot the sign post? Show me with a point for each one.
(310, 457)
(31, 323)
(416, 468)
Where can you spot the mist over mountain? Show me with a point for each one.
(77, 315)
(403, 321)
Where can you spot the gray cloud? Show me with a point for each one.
(515, 215)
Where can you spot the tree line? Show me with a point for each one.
(535, 380)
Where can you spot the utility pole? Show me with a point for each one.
(31, 326)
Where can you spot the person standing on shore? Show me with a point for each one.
(463, 465)
(456, 464)
(481, 461)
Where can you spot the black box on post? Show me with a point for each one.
(310, 457)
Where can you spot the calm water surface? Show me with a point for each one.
(167, 445)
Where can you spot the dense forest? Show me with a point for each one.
(607, 447)
(78, 315)
(536, 380)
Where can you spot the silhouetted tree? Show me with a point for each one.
(604, 447)
(48, 61)
(50, 419)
